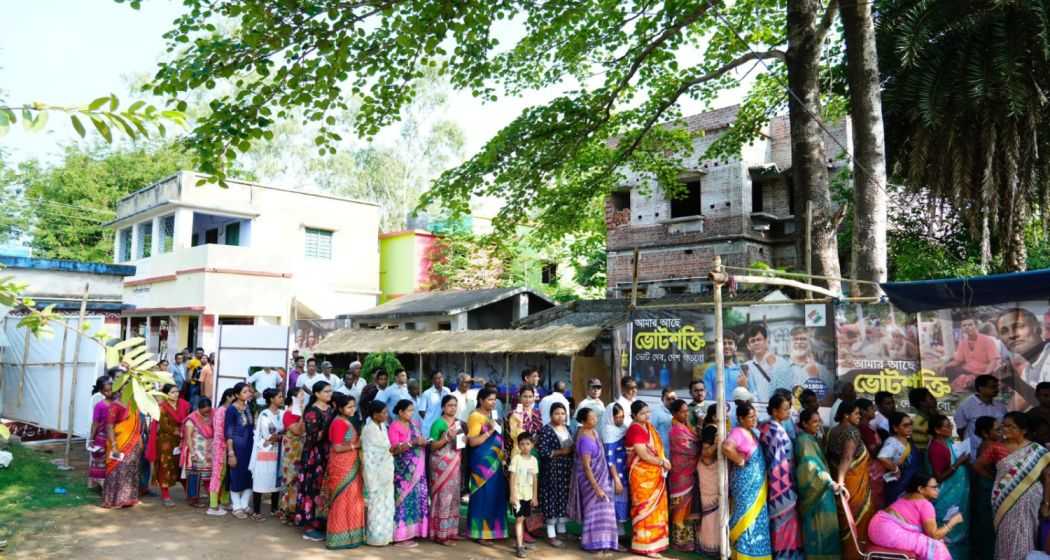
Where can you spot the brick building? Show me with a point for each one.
(744, 209)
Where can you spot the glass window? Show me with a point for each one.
(145, 240)
(167, 232)
(318, 243)
(125, 245)
(233, 233)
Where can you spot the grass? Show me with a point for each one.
(29, 484)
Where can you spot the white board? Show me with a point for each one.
(243, 347)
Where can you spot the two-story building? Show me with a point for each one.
(744, 209)
(247, 253)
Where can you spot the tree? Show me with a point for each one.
(68, 203)
(966, 110)
(635, 62)
(103, 114)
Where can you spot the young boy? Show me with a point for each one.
(524, 492)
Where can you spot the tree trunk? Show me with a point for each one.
(869, 145)
(1016, 258)
(808, 162)
(986, 243)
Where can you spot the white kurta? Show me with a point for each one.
(264, 464)
(379, 483)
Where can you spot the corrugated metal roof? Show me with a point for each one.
(553, 340)
(449, 302)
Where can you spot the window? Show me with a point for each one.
(195, 240)
(688, 203)
(167, 233)
(318, 243)
(756, 195)
(125, 245)
(621, 200)
(145, 240)
(211, 236)
(233, 233)
(549, 274)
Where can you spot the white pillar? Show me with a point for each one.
(183, 233)
(136, 242)
(146, 333)
(116, 245)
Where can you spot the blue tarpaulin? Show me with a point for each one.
(928, 295)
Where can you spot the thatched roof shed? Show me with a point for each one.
(561, 340)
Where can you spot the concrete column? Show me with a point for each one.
(136, 242)
(145, 335)
(158, 237)
(459, 322)
(116, 246)
(183, 229)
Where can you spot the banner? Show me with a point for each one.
(309, 332)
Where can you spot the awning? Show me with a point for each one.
(928, 295)
(554, 340)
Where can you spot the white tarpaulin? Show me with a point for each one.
(42, 396)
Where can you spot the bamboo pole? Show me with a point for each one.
(76, 360)
(704, 304)
(62, 372)
(719, 278)
(634, 279)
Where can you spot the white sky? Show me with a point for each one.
(72, 51)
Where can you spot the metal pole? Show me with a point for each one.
(718, 278)
(76, 362)
(809, 243)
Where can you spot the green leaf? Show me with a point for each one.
(77, 125)
(113, 103)
(5, 432)
(98, 103)
(39, 122)
(136, 106)
(129, 343)
(27, 119)
(102, 129)
(145, 402)
(10, 115)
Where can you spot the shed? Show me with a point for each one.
(455, 310)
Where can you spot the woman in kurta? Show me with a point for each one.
(311, 506)
(411, 513)
(1021, 492)
(898, 457)
(848, 460)
(165, 436)
(784, 530)
(445, 464)
(555, 448)
(345, 485)
(612, 433)
(681, 482)
(291, 452)
(379, 475)
(218, 487)
(950, 471)
(647, 468)
(239, 432)
(123, 449)
(817, 493)
(749, 522)
(708, 534)
(909, 524)
(487, 510)
(96, 443)
(195, 455)
(266, 453)
(591, 504)
(991, 451)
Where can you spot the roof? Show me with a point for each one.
(608, 313)
(451, 302)
(711, 120)
(554, 340)
(67, 266)
(928, 295)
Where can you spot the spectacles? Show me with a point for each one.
(596, 386)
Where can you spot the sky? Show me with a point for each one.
(73, 51)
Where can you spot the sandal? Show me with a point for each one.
(257, 517)
(240, 514)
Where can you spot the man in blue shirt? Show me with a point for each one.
(661, 417)
(178, 370)
(430, 402)
(735, 376)
(397, 391)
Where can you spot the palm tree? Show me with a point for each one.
(967, 119)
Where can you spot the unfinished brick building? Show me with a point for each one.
(745, 210)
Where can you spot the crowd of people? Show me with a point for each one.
(354, 462)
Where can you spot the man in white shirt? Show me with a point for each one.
(557, 396)
(311, 376)
(353, 383)
(885, 406)
(594, 397)
(331, 378)
(262, 380)
(769, 371)
(982, 403)
(466, 397)
(628, 392)
(430, 403)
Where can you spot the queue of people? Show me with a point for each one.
(394, 471)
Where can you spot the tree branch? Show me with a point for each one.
(827, 21)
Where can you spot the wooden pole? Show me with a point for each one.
(634, 279)
(808, 249)
(718, 277)
(62, 371)
(76, 363)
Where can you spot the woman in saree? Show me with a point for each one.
(949, 468)
(681, 482)
(749, 522)
(123, 449)
(411, 514)
(646, 467)
(991, 451)
(612, 435)
(909, 524)
(239, 432)
(555, 448)
(291, 452)
(165, 436)
(445, 464)
(311, 506)
(897, 458)
(96, 441)
(1021, 492)
(487, 509)
(817, 492)
(195, 456)
(848, 460)
(345, 484)
(591, 504)
(266, 453)
(524, 418)
(379, 475)
(784, 531)
(872, 441)
(218, 487)
(708, 535)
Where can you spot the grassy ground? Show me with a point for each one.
(29, 484)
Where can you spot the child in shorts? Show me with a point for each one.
(524, 492)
